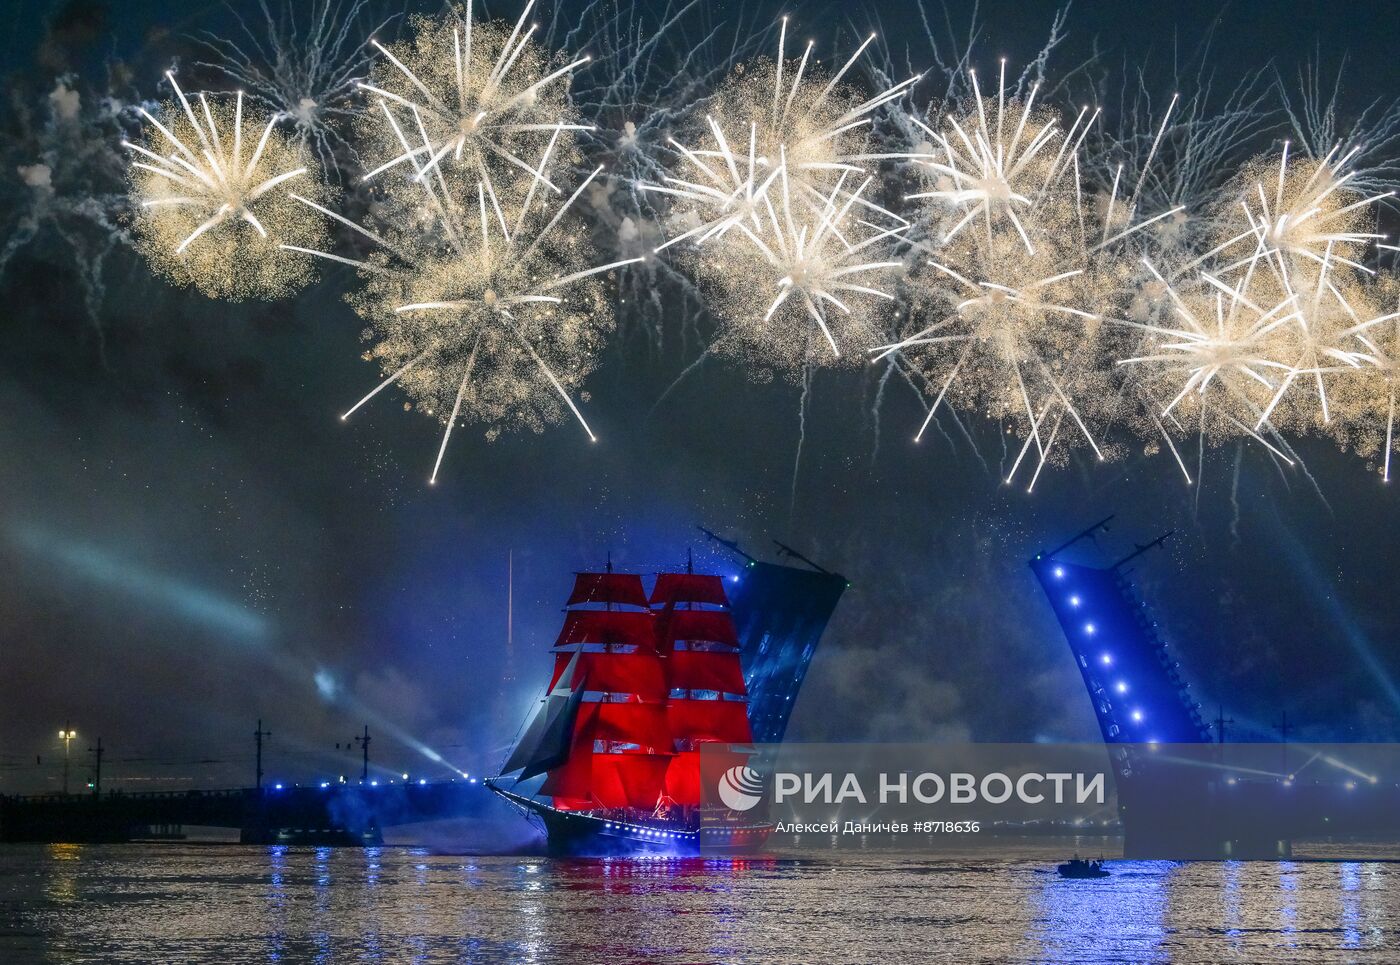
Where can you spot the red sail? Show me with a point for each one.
(629, 780)
(702, 720)
(616, 673)
(716, 626)
(628, 627)
(641, 724)
(700, 670)
(589, 779)
(631, 753)
(619, 589)
(688, 588)
(683, 778)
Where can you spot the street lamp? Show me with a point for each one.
(66, 735)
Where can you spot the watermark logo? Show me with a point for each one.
(740, 788)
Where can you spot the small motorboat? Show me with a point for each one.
(1077, 867)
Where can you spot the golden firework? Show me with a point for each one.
(1262, 334)
(776, 215)
(467, 102)
(481, 311)
(215, 188)
(1015, 275)
(1365, 397)
(1302, 213)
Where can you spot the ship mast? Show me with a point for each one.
(619, 744)
(707, 697)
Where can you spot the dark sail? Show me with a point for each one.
(545, 743)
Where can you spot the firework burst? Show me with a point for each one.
(481, 312)
(306, 62)
(773, 208)
(1214, 364)
(1017, 273)
(212, 191)
(1270, 335)
(1299, 212)
(476, 98)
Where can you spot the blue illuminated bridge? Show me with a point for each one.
(1134, 683)
(1179, 795)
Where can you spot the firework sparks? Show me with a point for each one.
(1271, 335)
(478, 315)
(211, 187)
(306, 62)
(478, 98)
(1368, 396)
(1028, 289)
(1299, 212)
(1218, 367)
(1018, 273)
(773, 206)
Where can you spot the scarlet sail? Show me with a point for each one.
(639, 683)
(707, 700)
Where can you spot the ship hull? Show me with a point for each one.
(582, 834)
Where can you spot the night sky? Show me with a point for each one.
(191, 539)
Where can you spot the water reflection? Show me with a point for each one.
(1114, 919)
(1350, 873)
(320, 934)
(62, 886)
(1288, 904)
(177, 902)
(276, 902)
(1233, 904)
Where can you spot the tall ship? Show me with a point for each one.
(642, 681)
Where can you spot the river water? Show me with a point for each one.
(229, 904)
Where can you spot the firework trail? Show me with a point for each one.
(1370, 137)
(67, 181)
(652, 69)
(305, 62)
